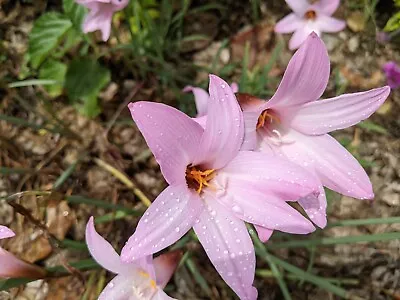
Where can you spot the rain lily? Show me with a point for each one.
(294, 124)
(12, 267)
(392, 71)
(214, 188)
(144, 279)
(308, 17)
(100, 15)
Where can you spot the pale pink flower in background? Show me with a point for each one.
(294, 124)
(144, 279)
(214, 188)
(392, 72)
(11, 266)
(307, 18)
(100, 15)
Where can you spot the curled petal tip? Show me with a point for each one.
(6, 232)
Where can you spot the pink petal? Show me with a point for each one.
(172, 136)
(319, 117)
(102, 251)
(224, 131)
(229, 247)
(305, 78)
(99, 19)
(165, 265)
(12, 267)
(5, 232)
(234, 87)
(300, 36)
(289, 24)
(335, 166)
(264, 234)
(250, 130)
(119, 288)
(298, 6)
(201, 99)
(263, 209)
(328, 7)
(268, 174)
(315, 207)
(329, 24)
(170, 216)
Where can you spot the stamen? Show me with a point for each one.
(310, 15)
(266, 115)
(198, 179)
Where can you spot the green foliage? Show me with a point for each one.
(46, 34)
(53, 70)
(75, 12)
(393, 23)
(84, 80)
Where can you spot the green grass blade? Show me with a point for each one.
(372, 221)
(9, 171)
(31, 82)
(197, 276)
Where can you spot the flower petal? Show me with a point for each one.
(170, 216)
(263, 209)
(298, 6)
(120, 287)
(234, 87)
(264, 234)
(250, 130)
(328, 7)
(300, 36)
(334, 165)
(315, 207)
(306, 76)
(165, 265)
(172, 136)
(200, 98)
(12, 267)
(6, 232)
(319, 117)
(268, 174)
(102, 251)
(329, 24)
(229, 247)
(289, 23)
(99, 19)
(224, 131)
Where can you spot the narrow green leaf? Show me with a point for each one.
(371, 126)
(32, 82)
(372, 221)
(197, 276)
(9, 171)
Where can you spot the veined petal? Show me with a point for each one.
(322, 116)
(328, 7)
(268, 174)
(335, 166)
(5, 232)
(172, 136)
(224, 131)
(165, 265)
(200, 98)
(170, 216)
(264, 234)
(300, 36)
(329, 24)
(229, 247)
(102, 251)
(315, 207)
(289, 23)
(12, 267)
(99, 19)
(119, 288)
(263, 209)
(298, 6)
(306, 76)
(250, 130)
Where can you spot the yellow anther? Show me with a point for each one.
(198, 179)
(266, 115)
(144, 274)
(153, 284)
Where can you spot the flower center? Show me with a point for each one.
(310, 15)
(145, 288)
(197, 179)
(267, 117)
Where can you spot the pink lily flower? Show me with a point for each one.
(214, 188)
(143, 280)
(11, 266)
(307, 18)
(392, 72)
(294, 124)
(100, 15)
